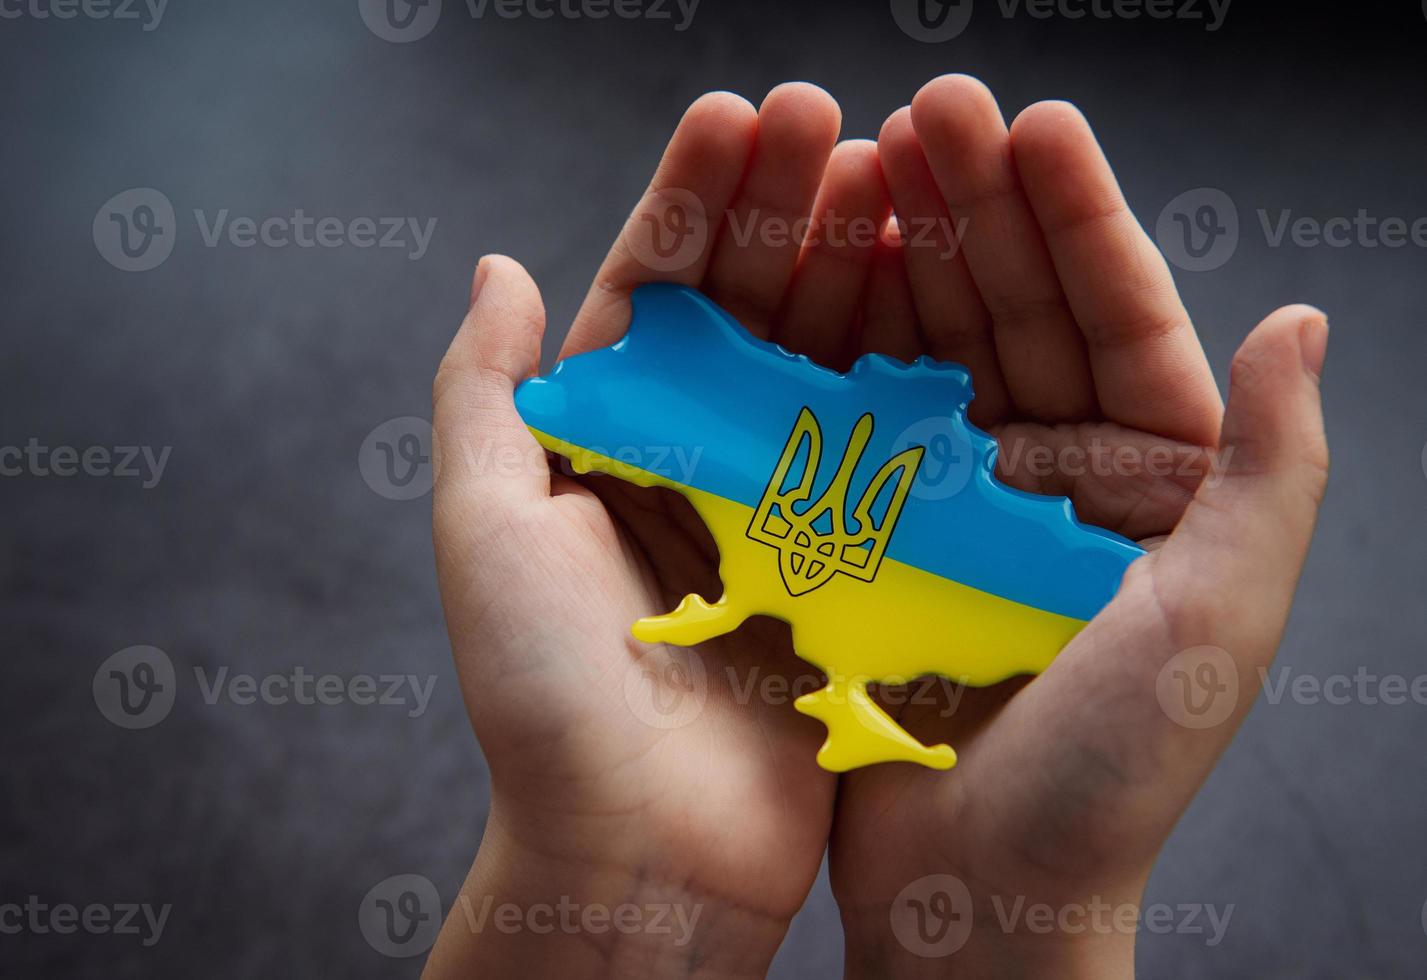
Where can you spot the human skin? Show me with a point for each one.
(1068, 784)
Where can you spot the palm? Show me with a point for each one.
(752, 815)
(1081, 400)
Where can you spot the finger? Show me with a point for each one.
(819, 315)
(757, 248)
(954, 321)
(889, 314)
(1041, 351)
(1137, 708)
(486, 459)
(1149, 369)
(1244, 537)
(669, 234)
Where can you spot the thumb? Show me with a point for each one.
(1230, 568)
(486, 460)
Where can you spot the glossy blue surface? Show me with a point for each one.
(690, 395)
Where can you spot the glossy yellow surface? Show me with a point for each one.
(905, 624)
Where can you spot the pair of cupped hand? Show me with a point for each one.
(1018, 258)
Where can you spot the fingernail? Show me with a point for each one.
(1313, 342)
(480, 280)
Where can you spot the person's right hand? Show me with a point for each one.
(1066, 314)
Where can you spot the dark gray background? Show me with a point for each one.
(263, 548)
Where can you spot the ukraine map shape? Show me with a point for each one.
(860, 508)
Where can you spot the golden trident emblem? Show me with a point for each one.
(815, 545)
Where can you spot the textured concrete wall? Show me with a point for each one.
(262, 548)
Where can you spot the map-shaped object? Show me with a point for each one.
(861, 508)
